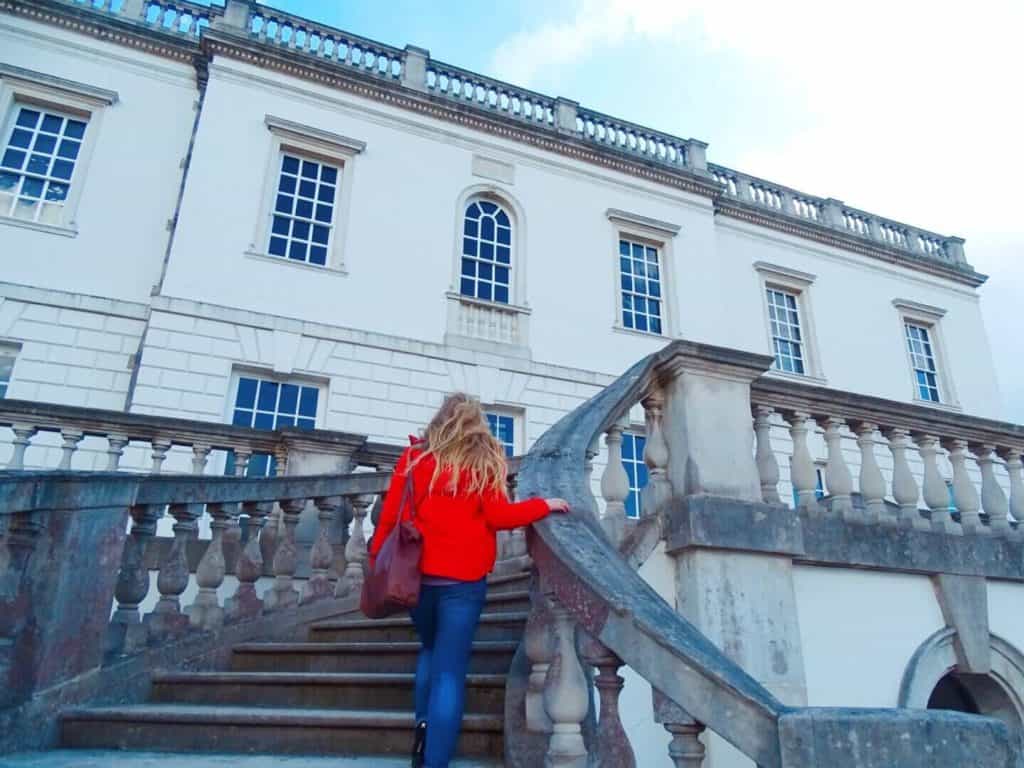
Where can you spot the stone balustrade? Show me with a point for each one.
(592, 615)
(837, 216)
(465, 87)
(643, 142)
(918, 447)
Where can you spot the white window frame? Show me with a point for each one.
(928, 317)
(11, 350)
(636, 431)
(239, 372)
(70, 99)
(656, 234)
(320, 146)
(798, 284)
(518, 420)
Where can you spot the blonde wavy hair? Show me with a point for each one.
(460, 441)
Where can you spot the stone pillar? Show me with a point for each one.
(206, 612)
(115, 450)
(566, 112)
(246, 603)
(283, 594)
(801, 467)
(1015, 469)
(871, 481)
(611, 745)
(127, 632)
(964, 493)
(160, 448)
(566, 697)
(614, 485)
(167, 617)
(993, 498)
(539, 644)
(322, 555)
(697, 155)
(904, 485)
(23, 434)
(658, 492)
(767, 464)
(414, 68)
(71, 437)
(356, 555)
(837, 473)
(936, 495)
(686, 749)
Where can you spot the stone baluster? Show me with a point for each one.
(993, 497)
(964, 493)
(1015, 469)
(767, 464)
(160, 449)
(71, 437)
(200, 454)
(167, 617)
(539, 644)
(936, 494)
(566, 696)
(127, 631)
(23, 434)
(116, 443)
(837, 472)
(614, 486)
(246, 602)
(206, 612)
(871, 481)
(283, 594)
(612, 744)
(658, 490)
(321, 556)
(802, 474)
(685, 749)
(242, 456)
(356, 555)
(588, 471)
(904, 485)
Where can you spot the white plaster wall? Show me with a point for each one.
(1005, 617)
(130, 187)
(859, 630)
(403, 212)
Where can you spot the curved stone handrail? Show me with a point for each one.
(614, 604)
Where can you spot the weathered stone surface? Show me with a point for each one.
(715, 522)
(893, 738)
(964, 604)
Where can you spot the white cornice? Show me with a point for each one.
(287, 129)
(786, 274)
(644, 222)
(918, 309)
(98, 96)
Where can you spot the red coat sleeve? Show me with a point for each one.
(389, 511)
(503, 515)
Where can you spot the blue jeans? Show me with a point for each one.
(445, 619)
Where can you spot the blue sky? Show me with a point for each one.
(907, 108)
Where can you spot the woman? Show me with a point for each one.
(459, 477)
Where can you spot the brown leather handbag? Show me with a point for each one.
(392, 583)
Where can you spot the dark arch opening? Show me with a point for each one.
(952, 693)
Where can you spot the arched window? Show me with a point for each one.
(486, 270)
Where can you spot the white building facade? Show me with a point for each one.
(238, 216)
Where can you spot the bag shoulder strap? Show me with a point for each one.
(408, 497)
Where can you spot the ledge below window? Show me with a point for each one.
(333, 271)
(62, 230)
(618, 328)
(488, 326)
(800, 378)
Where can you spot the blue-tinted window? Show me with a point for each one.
(6, 369)
(819, 487)
(503, 428)
(302, 221)
(787, 340)
(923, 359)
(265, 404)
(486, 252)
(37, 163)
(640, 286)
(633, 462)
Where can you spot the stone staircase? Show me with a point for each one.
(347, 689)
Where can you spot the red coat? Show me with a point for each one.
(458, 529)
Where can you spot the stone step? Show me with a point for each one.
(489, 657)
(511, 600)
(485, 694)
(492, 626)
(190, 728)
(508, 582)
(90, 758)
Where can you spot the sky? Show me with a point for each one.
(909, 109)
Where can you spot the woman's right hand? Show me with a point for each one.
(557, 505)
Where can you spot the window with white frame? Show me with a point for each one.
(922, 360)
(7, 356)
(268, 404)
(633, 444)
(41, 148)
(486, 269)
(789, 321)
(923, 344)
(308, 189)
(303, 217)
(503, 427)
(48, 127)
(640, 284)
(787, 341)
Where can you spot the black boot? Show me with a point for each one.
(419, 743)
